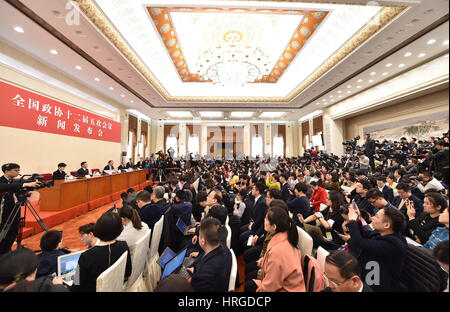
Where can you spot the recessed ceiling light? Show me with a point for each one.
(318, 103)
(349, 91)
(401, 65)
(384, 74)
(408, 54)
(431, 41)
(339, 96)
(360, 80)
(111, 88)
(348, 87)
(131, 101)
(211, 114)
(272, 114)
(179, 114)
(339, 91)
(358, 87)
(388, 64)
(373, 73)
(371, 80)
(445, 42)
(54, 52)
(96, 79)
(78, 67)
(19, 29)
(331, 96)
(421, 54)
(122, 95)
(324, 100)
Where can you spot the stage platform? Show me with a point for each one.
(52, 218)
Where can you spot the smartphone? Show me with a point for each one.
(353, 205)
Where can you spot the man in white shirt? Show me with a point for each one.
(430, 182)
(364, 162)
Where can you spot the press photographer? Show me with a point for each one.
(8, 188)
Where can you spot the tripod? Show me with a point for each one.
(161, 175)
(13, 215)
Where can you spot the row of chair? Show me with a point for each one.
(146, 272)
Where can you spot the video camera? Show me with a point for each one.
(23, 192)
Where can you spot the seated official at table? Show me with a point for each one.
(83, 171)
(60, 174)
(122, 166)
(109, 166)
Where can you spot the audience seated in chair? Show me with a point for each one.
(133, 228)
(343, 273)
(51, 246)
(281, 266)
(18, 270)
(97, 259)
(212, 272)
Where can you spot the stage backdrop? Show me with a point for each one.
(27, 110)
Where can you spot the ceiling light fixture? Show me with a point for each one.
(401, 65)
(96, 79)
(373, 73)
(53, 51)
(408, 54)
(233, 64)
(360, 80)
(241, 114)
(122, 95)
(431, 41)
(371, 80)
(388, 64)
(78, 67)
(421, 55)
(384, 74)
(445, 43)
(111, 88)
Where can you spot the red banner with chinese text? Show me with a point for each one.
(27, 110)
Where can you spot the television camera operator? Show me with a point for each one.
(8, 189)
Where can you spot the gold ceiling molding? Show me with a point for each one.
(91, 10)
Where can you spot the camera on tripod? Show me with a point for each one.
(23, 192)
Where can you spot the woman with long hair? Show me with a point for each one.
(133, 228)
(281, 266)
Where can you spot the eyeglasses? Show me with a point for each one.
(332, 283)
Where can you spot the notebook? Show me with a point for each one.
(165, 257)
(175, 265)
(67, 265)
(182, 227)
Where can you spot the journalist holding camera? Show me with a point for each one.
(8, 187)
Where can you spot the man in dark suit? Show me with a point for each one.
(150, 206)
(211, 273)
(60, 174)
(83, 171)
(285, 187)
(369, 150)
(130, 163)
(343, 273)
(405, 196)
(260, 208)
(388, 193)
(109, 166)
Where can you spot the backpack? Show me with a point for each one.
(421, 272)
(312, 274)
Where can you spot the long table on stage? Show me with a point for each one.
(92, 192)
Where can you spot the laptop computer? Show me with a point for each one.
(165, 257)
(67, 265)
(183, 228)
(175, 265)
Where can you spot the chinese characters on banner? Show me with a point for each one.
(27, 110)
